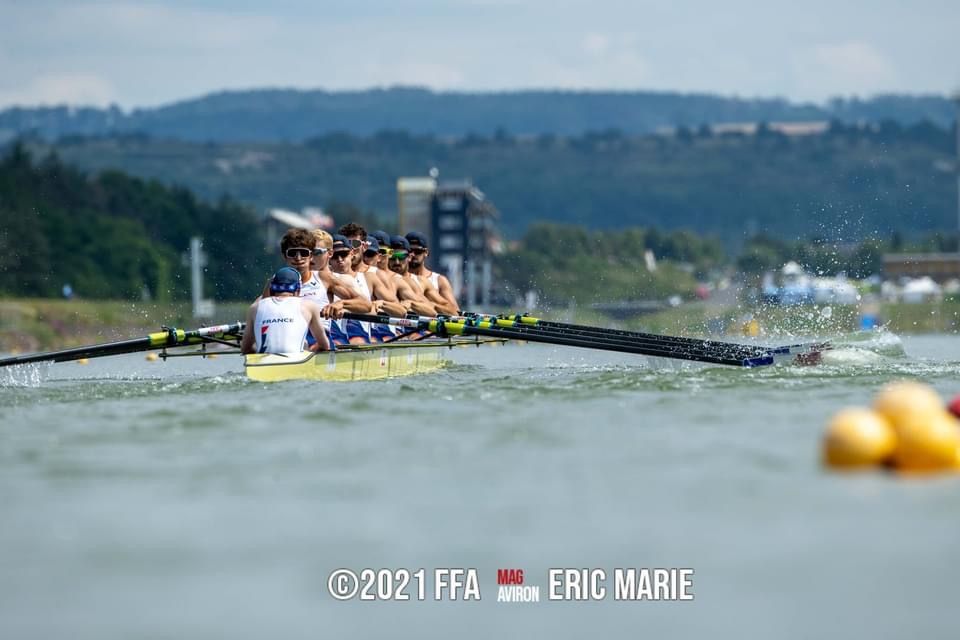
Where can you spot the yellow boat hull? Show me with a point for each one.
(374, 362)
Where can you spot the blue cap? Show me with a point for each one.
(382, 237)
(340, 243)
(372, 245)
(415, 238)
(285, 280)
(399, 242)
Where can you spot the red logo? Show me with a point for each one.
(510, 576)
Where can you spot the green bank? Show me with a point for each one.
(33, 324)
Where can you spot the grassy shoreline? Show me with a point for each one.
(35, 324)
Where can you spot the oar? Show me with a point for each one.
(746, 350)
(158, 340)
(649, 346)
(741, 350)
(599, 336)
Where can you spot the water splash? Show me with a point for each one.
(24, 375)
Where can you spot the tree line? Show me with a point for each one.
(112, 235)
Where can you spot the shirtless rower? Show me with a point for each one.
(419, 252)
(279, 322)
(399, 263)
(424, 299)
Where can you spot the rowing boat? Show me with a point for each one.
(351, 363)
(402, 358)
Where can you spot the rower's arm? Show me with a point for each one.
(247, 343)
(395, 309)
(386, 300)
(358, 304)
(446, 290)
(439, 302)
(387, 280)
(412, 301)
(312, 313)
(338, 287)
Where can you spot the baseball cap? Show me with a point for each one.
(399, 242)
(340, 243)
(382, 237)
(415, 238)
(286, 279)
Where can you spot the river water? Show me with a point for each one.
(179, 500)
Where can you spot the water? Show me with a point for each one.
(179, 500)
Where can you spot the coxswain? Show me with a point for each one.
(279, 322)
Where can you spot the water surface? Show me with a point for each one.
(179, 500)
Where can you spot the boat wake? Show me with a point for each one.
(865, 348)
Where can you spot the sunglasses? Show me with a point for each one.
(384, 252)
(298, 252)
(355, 243)
(418, 252)
(399, 255)
(341, 255)
(319, 251)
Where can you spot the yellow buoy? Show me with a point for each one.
(927, 442)
(858, 437)
(152, 357)
(900, 401)
(83, 361)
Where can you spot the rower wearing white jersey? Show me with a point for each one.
(341, 263)
(279, 323)
(377, 280)
(301, 249)
(383, 293)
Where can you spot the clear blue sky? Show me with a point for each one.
(136, 53)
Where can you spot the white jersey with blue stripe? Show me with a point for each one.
(314, 289)
(359, 282)
(279, 325)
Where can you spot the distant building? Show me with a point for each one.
(792, 129)
(940, 267)
(460, 224)
(277, 221)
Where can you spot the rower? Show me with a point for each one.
(410, 289)
(363, 259)
(419, 252)
(279, 322)
(296, 247)
(382, 292)
(423, 286)
(330, 284)
(314, 273)
(384, 296)
(341, 263)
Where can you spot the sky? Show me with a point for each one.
(135, 53)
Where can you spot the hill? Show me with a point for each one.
(849, 183)
(272, 115)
